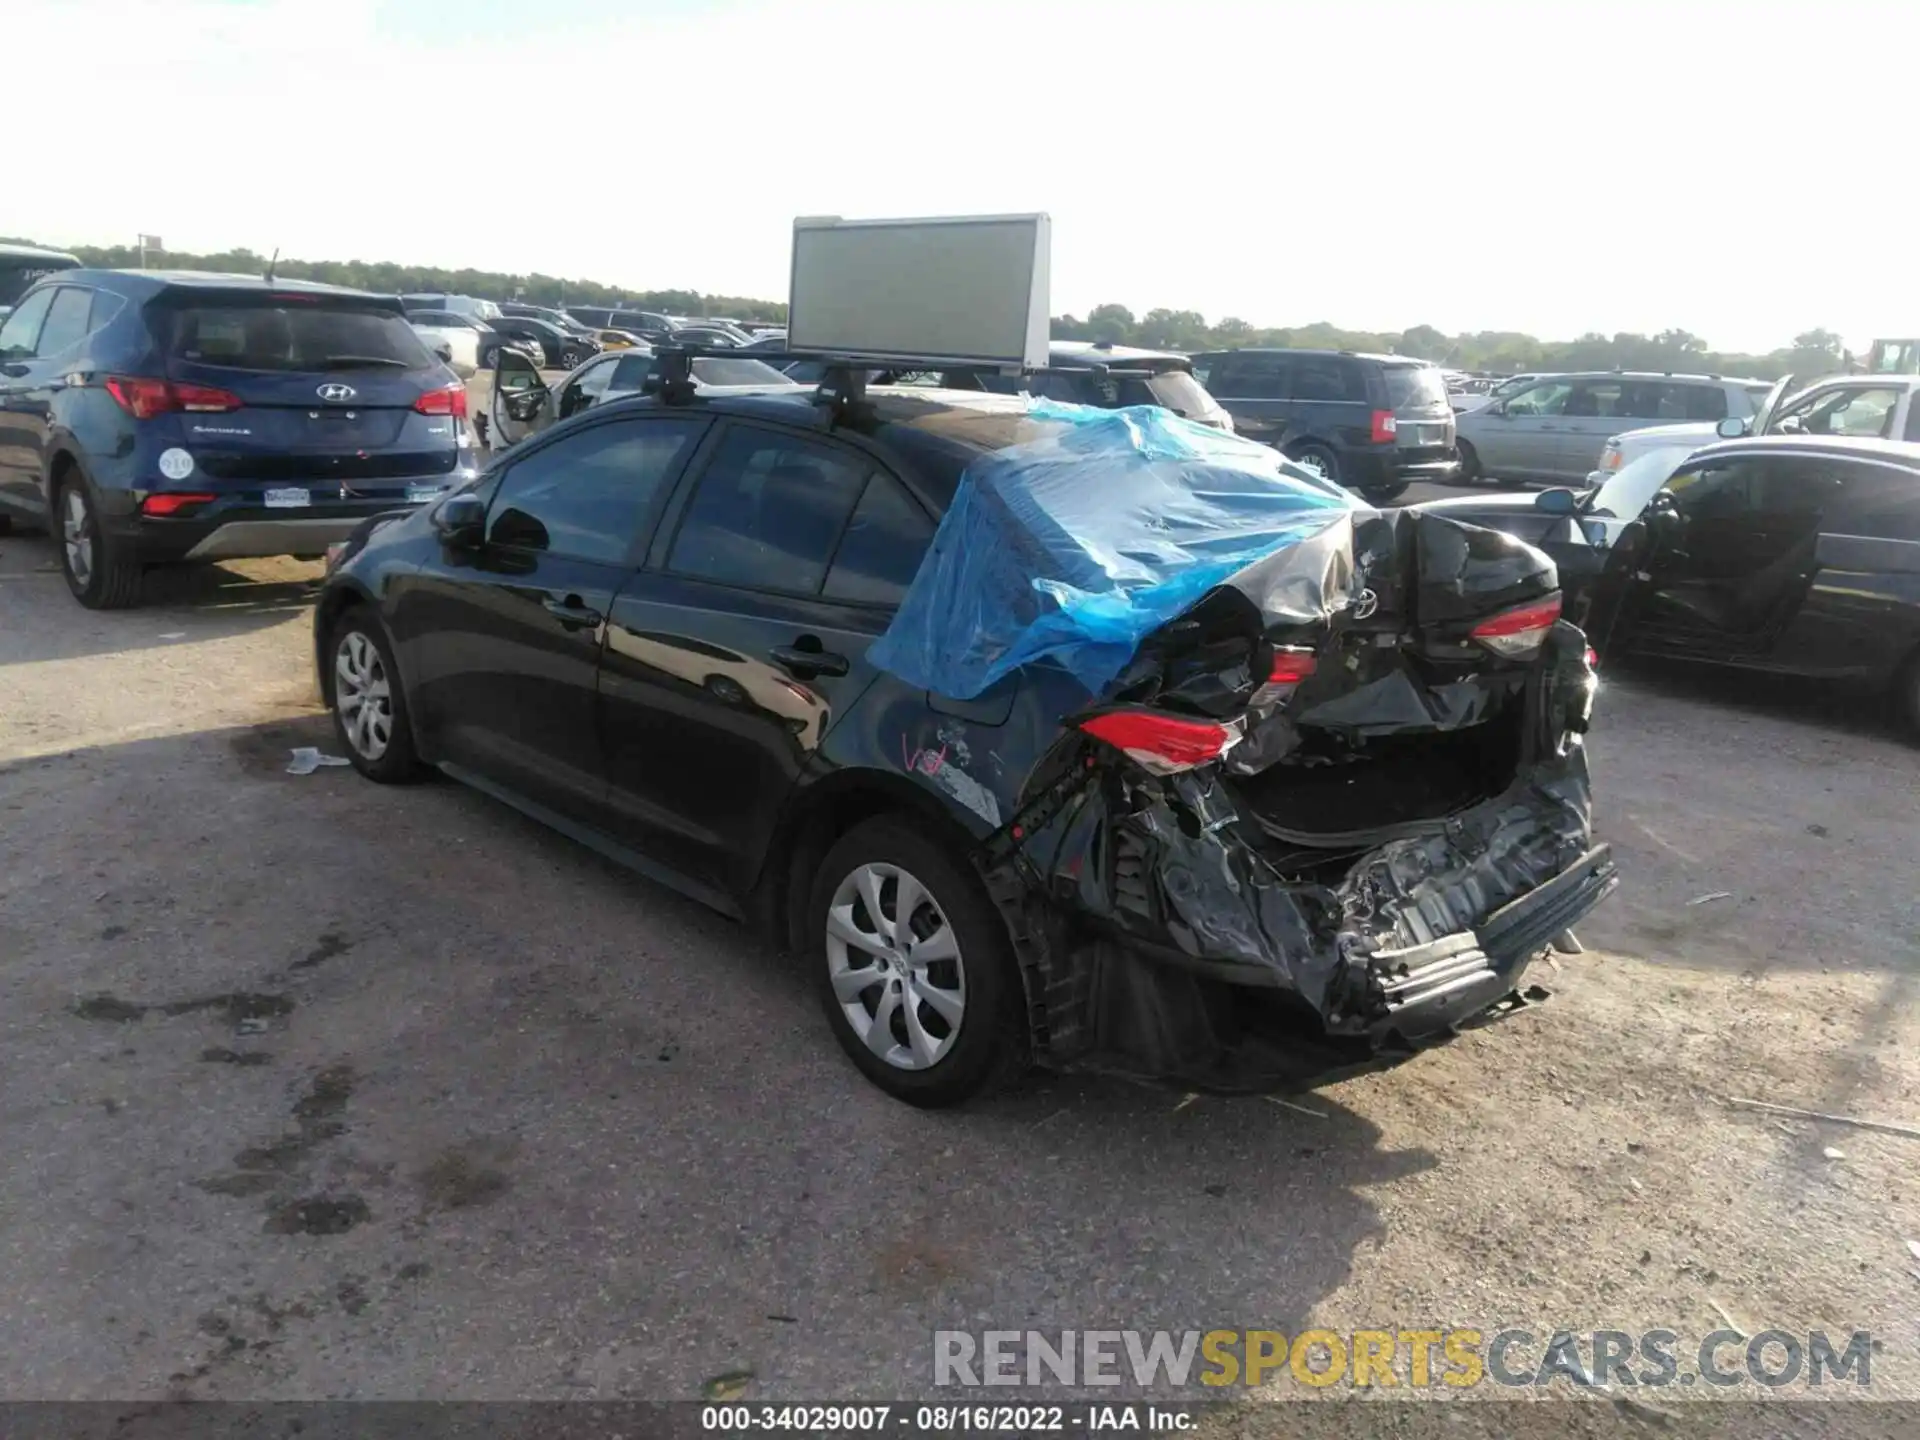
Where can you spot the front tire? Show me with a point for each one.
(916, 973)
(100, 569)
(369, 704)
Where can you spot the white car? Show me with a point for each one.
(524, 403)
(461, 344)
(1878, 406)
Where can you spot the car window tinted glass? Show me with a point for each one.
(1327, 377)
(1595, 399)
(22, 329)
(1705, 402)
(768, 513)
(1549, 397)
(1845, 410)
(1254, 377)
(629, 373)
(1760, 485)
(586, 495)
(1411, 387)
(293, 337)
(66, 323)
(1880, 501)
(881, 550)
(719, 370)
(1073, 387)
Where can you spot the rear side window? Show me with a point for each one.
(768, 513)
(1253, 377)
(1415, 386)
(1706, 402)
(1329, 378)
(295, 337)
(881, 550)
(586, 495)
(66, 323)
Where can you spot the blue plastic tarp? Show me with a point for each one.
(1078, 545)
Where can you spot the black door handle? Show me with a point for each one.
(805, 664)
(571, 613)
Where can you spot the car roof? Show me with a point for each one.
(1904, 453)
(1316, 350)
(35, 252)
(153, 282)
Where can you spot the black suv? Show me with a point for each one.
(154, 416)
(559, 349)
(1374, 423)
(1237, 864)
(644, 323)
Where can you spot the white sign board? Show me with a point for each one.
(968, 290)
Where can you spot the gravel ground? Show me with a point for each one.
(311, 1088)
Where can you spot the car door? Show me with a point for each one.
(1861, 616)
(1733, 554)
(521, 404)
(21, 439)
(501, 643)
(1518, 438)
(730, 656)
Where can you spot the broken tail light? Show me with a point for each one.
(1163, 744)
(1291, 664)
(449, 401)
(1518, 633)
(144, 398)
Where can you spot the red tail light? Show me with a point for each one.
(1164, 744)
(1385, 427)
(143, 398)
(450, 401)
(171, 503)
(1518, 633)
(1290, 667)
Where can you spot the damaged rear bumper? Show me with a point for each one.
(1160, 944)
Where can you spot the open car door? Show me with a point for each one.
(1727, 558)
(520, 405)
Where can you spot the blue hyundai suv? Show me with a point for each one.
(149, 417)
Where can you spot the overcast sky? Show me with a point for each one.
(1553, 167)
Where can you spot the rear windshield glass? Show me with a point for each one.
(714, 370)
(294, 337)
(1409, 386)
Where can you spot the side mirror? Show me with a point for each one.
(1557, 502)
(445, 351)
(1731, 428)
(461, 519)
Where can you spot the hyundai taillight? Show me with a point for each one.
(1518, 633)
(450, 401)
(172, 502)
(144, 398)
(1164, 744)
(1385, 427)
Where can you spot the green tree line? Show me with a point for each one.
(1502, 352)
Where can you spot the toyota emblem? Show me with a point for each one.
(340, 394)
(1364, 604)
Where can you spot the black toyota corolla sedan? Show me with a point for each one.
(1320, 817)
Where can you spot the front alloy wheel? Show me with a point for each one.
(896, 966)
(363, 696)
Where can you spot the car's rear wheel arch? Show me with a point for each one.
(826, 811)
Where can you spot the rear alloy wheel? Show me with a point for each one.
(369, 706)
(101, 571)
(1319, 459)
(917, 975)
(1469, 464)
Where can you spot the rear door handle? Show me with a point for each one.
(805, 664)
(572, 612)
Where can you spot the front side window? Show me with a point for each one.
(66, 323)
(586, 495)
(1549, 397)
(768, 513)
(22, 330)
(1842, 410)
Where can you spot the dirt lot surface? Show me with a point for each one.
(311, 1088)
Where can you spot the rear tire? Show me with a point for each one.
(1469, 464)
(367, 701)
(1317, 458)
(101, 570)
(941, 1019)
(1381, 494)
